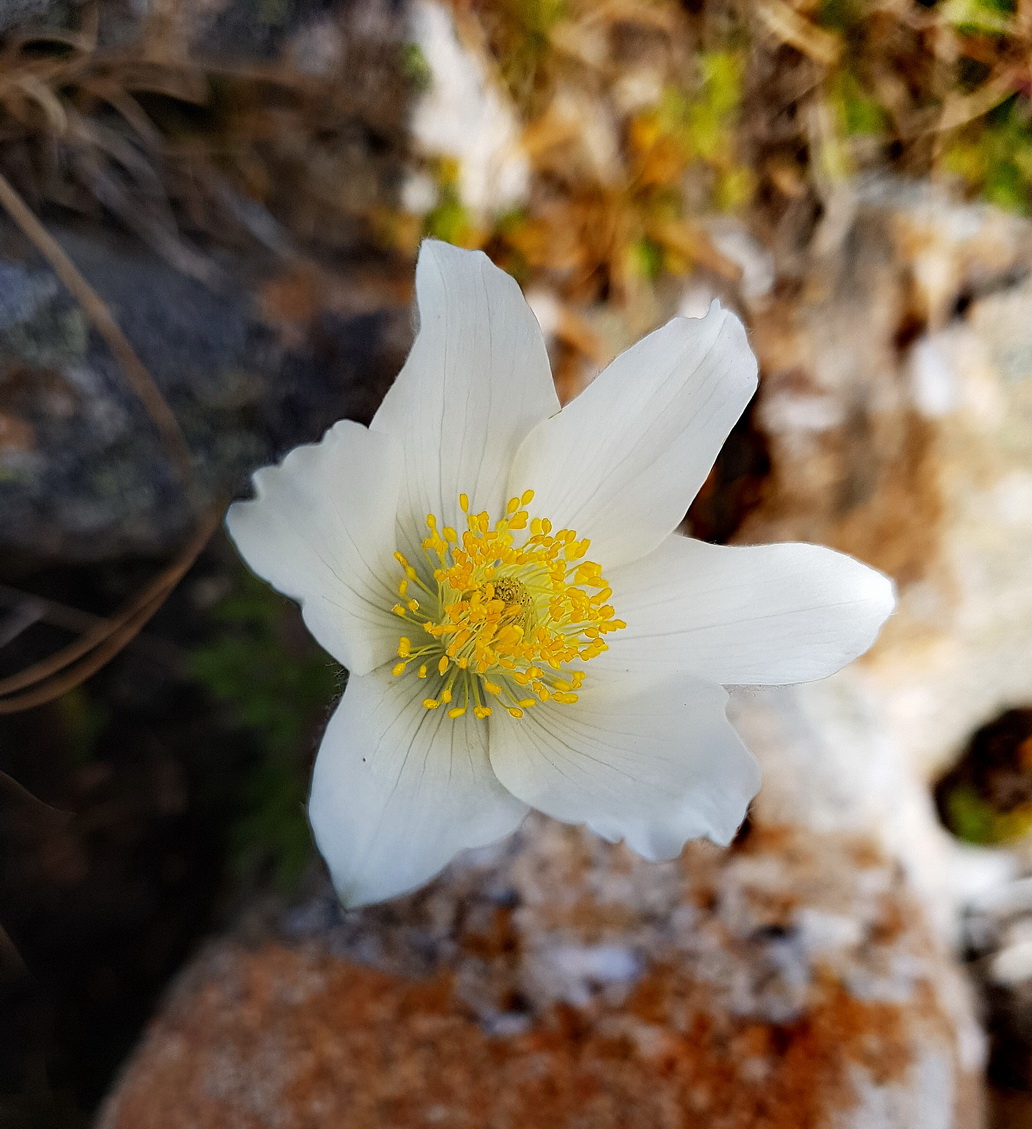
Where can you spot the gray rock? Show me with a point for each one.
(18, 13)
(95, 481)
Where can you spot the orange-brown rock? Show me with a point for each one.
(558, 981)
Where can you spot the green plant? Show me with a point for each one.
(276, 687)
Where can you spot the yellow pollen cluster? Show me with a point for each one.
(502, 612)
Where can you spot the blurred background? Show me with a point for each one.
(209, 215)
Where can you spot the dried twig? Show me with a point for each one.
(29, 608)
(789, 26)
(103, 639)
(97, 311)
(53, 676)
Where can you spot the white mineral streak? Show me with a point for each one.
(465, 115)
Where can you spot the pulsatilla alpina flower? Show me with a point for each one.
(521, 624)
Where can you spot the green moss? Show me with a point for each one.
(841, 15)
(278, 695)
(994, 157)
(974, 820)
(525, 29)
(55, 336)
(83, 719)
(978, 17)
(734, 188)
(647, 258)
(858, 111)
(448, 219)
(703, 124)
(415, 67)
(722, 82)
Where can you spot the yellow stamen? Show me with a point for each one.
(509, 609)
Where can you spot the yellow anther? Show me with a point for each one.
(502, 613)
(399, 668)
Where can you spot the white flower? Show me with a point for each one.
(522, 625)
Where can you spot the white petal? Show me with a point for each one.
(321, 529)
(745, 615)
(622, 462)
(651, 761)
(398, 789)
(476, 382)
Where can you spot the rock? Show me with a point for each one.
(84, 475)
(896, 410)
(557, 980)
(896, 404)
(19, 13)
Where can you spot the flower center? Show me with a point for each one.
(502, 612)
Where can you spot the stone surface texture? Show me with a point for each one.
(557, 980)
(84, 473)
(896, 403)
